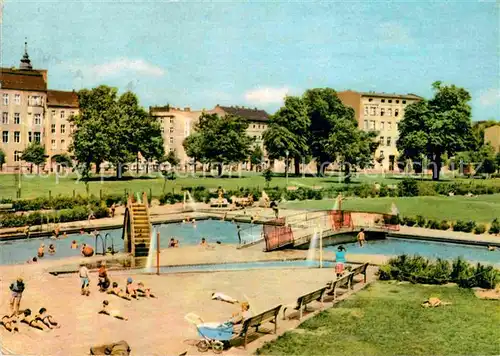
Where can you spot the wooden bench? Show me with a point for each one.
(344, 281)
(358, 270)
(306, 299)
(255, 321)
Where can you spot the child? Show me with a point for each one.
(340, 261)
(46, 319)
(143, 291)
(31, 321)
(114, 313)
(52, 249)
(10, 322)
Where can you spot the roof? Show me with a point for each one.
(18, 79)
(392, 95)
(246, 113)
(62, 98)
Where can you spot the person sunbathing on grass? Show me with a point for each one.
(9, 322)
(118, 291)
(434, 302)
(131, 289)
(114, 313)
(143, 291)
(47, 319)
(32, 321)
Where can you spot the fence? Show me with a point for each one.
(277, 236)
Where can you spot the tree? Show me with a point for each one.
(193, 147)
(2, 159)
(172, 159)
(436, 127)
(220, 140)
(62, 158)
(256, 156)
(34, 154)
(287, 131)
(268, 176)
(497, 161)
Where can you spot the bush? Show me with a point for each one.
(480, 229)
(444, 225)
(432, 224)
(62, 202)
(171, 198)
(408, 187)
(465, 226)
(495, 227)
(420, 221)
(426, 189)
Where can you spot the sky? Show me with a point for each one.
(248, 53)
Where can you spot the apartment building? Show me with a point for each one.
(380, 112)
(179, 123)
(492, 136)
(28, 113)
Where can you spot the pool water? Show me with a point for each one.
(19, 251)
(241, 266)
(429, 249)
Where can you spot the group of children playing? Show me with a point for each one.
(41, 321)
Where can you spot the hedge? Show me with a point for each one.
(459, 225)
(63, 202)
(417, 269)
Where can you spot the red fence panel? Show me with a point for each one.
(277, 236)
(340, 219)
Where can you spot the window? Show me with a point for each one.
(366, 125)
(388, 141)
(366, 110)
(397, 126)
(254, 126)
(382, 111)
(162, 129)
(17, 118)
(53, 143)
(389, 112)
(71, 128)
(171, 139)
(370, 99)
(389, 125)
(17, 99)
(373, 110)
(37, 137)
(17, 136)
(5, 118)
(397, 101)
(171, 120)
(171, 129)
(37, 120)
(35, 101)
(63, 144)
(30, 136)
(5, 136)
(382, 100)
(63, 114)
(171, 149)
(53, 113)
(17, 156)
(5, 99)
(382, 125)
(382, 140)
(63, 129)
(396, 112)
(71, 113)
(372, 124)
(53, 128)
(404, 101)
(390, 100)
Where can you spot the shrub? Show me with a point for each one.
(171, 198)
(408, 187)
(480, 229)
(384, 190)
(495, 227)
(420, 221)
(432, 224)
(391, 219)
(486, 276)
(465, 226)
(444, 225)
(426, 189)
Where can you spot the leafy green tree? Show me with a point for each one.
(172, 159)
(34, 154)
(256, 156)
(436, 127)
(484, 159)
(2, 159)
(193, 145)
(288, 130)
(268, 176)
(220, 140)
(62, 158)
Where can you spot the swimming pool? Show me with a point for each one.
(429, 249)
(19, 251)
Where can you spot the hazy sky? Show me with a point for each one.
(200, 54)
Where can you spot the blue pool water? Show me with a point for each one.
(19, 251)
(240, 266)
(429, 249)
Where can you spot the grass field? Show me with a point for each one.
(35, 186)
(387, 319)
(483, 208)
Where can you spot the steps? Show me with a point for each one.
(138, 229)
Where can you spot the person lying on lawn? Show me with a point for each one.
(114, 313)
(32, 321)
(9, 322)
(47, 319)
(118, 291)
(142, 291)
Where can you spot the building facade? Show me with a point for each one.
(492, 136)
(179, 123)
(380, 112)
(26, 108)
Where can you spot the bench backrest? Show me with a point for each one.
(261, 318)
(360, 269)
(342, 280)
(309, 297)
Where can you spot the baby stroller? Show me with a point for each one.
(215, 335)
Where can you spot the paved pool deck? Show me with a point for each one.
(155, 326)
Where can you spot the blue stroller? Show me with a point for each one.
(215, 335)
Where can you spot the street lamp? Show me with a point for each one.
(286, 166)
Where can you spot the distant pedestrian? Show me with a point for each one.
(340, 261)
(17, 289)
(239, 233)
(113, 208)
(84, 279)
(361, 238)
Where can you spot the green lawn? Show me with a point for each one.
(483, 208)
(35, 186)
(387, 319)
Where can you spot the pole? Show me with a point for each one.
(320, 248)
(158, 253)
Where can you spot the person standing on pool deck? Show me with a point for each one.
(239, 233)
(84, 279)
(340, 261)
(17, 289)
(361, 237)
